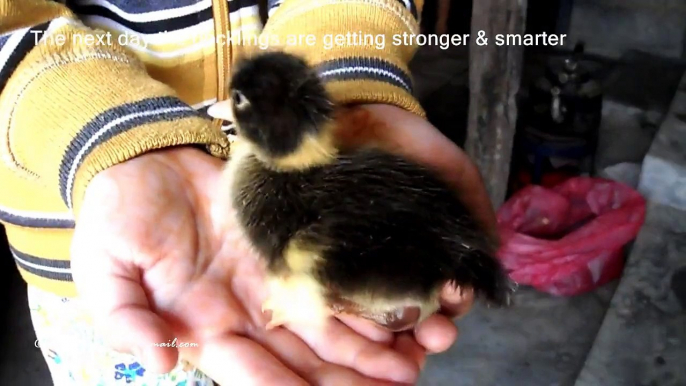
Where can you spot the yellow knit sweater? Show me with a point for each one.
(87, 84)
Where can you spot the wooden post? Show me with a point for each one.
(442, 17)
(494, 78)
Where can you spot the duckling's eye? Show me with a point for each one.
(239, 100)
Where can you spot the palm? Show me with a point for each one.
(149, 238)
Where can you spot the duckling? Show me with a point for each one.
(358, 230)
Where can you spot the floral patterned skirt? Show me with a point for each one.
(77, 356)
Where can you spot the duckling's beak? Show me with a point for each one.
(221, 110)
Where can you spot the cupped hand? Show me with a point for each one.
(405, 133)
(156, 257)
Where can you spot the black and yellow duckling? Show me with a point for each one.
(361, 230)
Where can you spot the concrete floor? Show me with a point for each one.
(543, 340)
(643, 337)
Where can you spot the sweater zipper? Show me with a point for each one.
(222, 28)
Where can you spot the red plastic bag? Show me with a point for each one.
(569, 239)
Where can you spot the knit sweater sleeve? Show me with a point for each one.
(361, 48)
(73, 103)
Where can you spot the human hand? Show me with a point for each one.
(404, 133)
(156, 256)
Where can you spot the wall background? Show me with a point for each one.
(611, 27)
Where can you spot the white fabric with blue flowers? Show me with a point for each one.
(77, 356)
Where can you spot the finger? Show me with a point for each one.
(436, 334)
(406, 344)
(295, 354)
(456, 301)
(366, 328)
(121, 312)
(234, 360)
(338, 344)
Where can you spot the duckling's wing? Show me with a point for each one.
(392, 227)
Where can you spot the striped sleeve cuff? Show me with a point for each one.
(360, 48)
(113, 122)
(34, 219)
(86, 107)
(59, 270)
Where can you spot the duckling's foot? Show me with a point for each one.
(295, 299)
(395, 320)
(278, 316)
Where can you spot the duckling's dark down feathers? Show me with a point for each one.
(387, 223)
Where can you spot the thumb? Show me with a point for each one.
(114, 296)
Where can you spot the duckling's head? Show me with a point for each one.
(280, 106)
